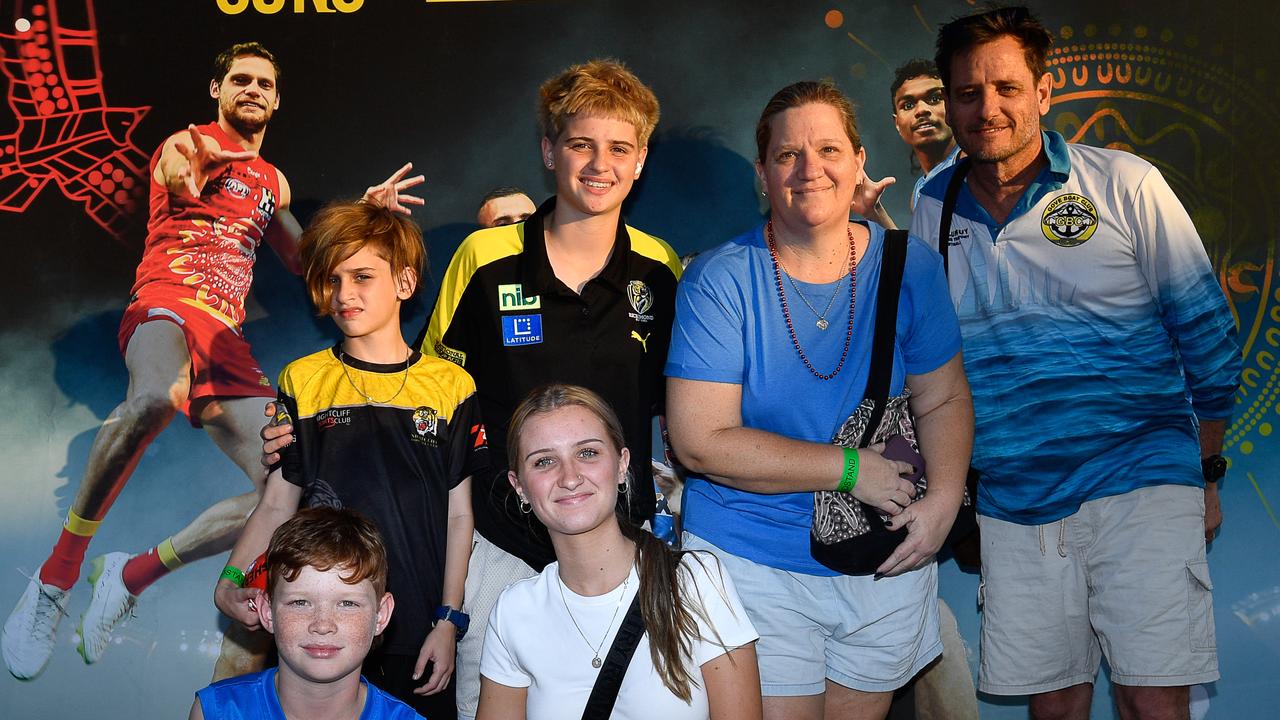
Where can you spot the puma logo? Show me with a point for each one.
(644, 341)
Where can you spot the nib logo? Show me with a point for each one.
(66, 133)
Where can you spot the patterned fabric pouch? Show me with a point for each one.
(848, 535)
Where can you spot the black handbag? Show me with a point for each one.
(847, 535)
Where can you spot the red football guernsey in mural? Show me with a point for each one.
(201, 251)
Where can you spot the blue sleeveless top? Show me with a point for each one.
(253, 697)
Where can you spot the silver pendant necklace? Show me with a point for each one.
(822, 316)
(596, 662)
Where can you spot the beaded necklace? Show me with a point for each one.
(786, 312)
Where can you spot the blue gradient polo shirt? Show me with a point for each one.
(1095, 333)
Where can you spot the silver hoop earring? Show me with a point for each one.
(525, 507)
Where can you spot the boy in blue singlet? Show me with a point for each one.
(325, 602)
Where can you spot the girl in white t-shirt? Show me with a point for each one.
(549, 634)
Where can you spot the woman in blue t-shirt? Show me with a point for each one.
(769, 356)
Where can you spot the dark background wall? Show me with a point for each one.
(451, 86)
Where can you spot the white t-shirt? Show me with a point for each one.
(531, 642)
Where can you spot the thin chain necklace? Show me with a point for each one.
(786, 312)
(342, 360)
(595, 649)
(822, 316)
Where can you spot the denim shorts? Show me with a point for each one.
(866, 634)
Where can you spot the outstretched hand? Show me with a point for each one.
(867, 194)
(205, 159)
(389, 193)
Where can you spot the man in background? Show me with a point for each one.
(504, 205)
(920, 114)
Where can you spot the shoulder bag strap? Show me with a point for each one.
(949, 208)
(886, 329)
(605, 692)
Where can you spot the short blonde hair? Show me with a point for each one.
(340, 230)
(605, 88)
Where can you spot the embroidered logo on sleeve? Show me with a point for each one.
(1069, 220)
(457, 357)
(521, 330)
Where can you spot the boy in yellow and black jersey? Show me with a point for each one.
(387, 431)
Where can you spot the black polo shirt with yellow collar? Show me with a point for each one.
(504, 316)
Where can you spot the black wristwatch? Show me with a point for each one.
(459, 619)
(1214, 468)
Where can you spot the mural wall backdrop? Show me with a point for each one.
(92, 87)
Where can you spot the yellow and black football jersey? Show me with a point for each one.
(389, 441)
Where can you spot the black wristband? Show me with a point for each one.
(1213, 467)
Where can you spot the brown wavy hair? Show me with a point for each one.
(340, 230)
(325, 538)
(670, 616)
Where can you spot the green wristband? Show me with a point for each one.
(850, 476)
(233, 574)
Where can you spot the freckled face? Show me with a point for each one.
(323, 626)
